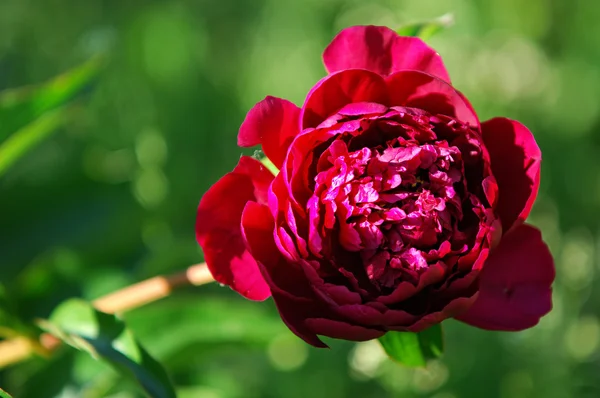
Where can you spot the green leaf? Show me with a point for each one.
(19, 143)
(216, 321)
(4, 394)
(414, 349)
(30, 114)
(426, 29)
(21, 106)
(10, 324)
(106, 338)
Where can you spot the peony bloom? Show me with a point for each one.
(394, 207)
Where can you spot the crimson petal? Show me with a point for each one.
(339, 89)
(381, 50)
(273, 123)
(342, 330)
(218, 229)
(516, 161)
(421, 90)
(515, 283)
(257, 229)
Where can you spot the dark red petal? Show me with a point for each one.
(218, 229)
(381, 50)
(339, 89)
(273, 123)
(490, 188)
(515, 283)
(342, 330)
(293, 316)
(261, 177)
(453, 308)
(257, 229)
(405, 290)
(421, 90)
(296, 303)
(516, 161)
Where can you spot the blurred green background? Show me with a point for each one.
(110, 199)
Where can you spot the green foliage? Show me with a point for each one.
(23, 140)
(426, 29)
(75, 219)
(106, 338)
(5, 315)
(29, 115)
(414, 349)
(20, 106)
(216, 321)
(10, 324)
(4, 394)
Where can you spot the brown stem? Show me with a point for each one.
(152, 289)
(131, 297)
(14, 350)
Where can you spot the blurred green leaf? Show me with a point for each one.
(106, 338)
(30, 114)
(426, 29)
(26, 138)
(4, 394)
(216, 321)
(5, 315)
(21, 106)
(414, 349)
(10, 324)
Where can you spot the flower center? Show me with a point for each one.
(395, 205)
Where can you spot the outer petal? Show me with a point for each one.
(515, 283)
(453, 308)
(339, 89)
(342, 330)
(257, 229)
(218, 228)
(516, 161)
(273, 123)
(421, 90)
(381, 50)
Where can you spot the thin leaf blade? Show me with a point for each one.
(19, 143)
(4, 394)
(426, 29)
(414, 349)
(21, 106)
(106, 338)
(28, 115)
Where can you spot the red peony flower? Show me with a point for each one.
(394, 208)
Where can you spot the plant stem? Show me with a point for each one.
(14, 350)
(20, 348)
(151, 290)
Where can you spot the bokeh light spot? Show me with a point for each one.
(150, 187)
(172, 47)
(430, 378)
(366, 359)
(576, 259)
(516, 384)
(287, 352)
(583, 337)
(151, 148)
